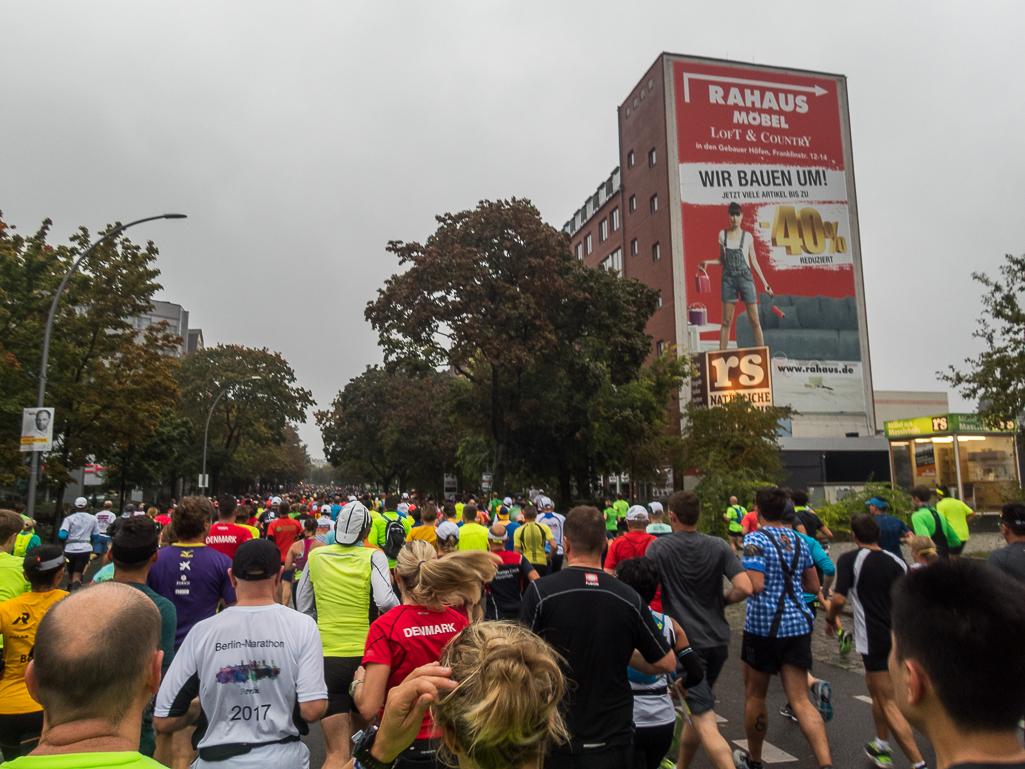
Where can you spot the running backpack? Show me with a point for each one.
(394, 537)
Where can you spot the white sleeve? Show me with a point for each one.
(181, 683)
(305, 598)
(66, 525)
(380, 582)
(309, 681)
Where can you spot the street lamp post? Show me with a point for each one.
(206, 430)
(33, 475)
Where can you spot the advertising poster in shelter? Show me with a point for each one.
(767, 231)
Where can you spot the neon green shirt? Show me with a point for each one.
(380, 527)
(473, 536)
(956, 512)
(123, 760)
(924, 525)
(611, 516)
(12, 579)
(736, 513)
(621, 506)
(26, 541)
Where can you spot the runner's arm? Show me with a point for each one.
(380, 582)
(810, 581)
(665, 665)
(370, 695)
(757, 580)
(305, 599)
(742, 588)
(290, 558)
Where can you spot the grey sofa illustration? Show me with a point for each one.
(814, 327)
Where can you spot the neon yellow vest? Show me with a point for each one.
(340, 576)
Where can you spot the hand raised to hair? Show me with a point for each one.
(405, 707)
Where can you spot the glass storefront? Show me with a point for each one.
(977, 464)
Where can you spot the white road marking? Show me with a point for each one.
(770, 753)
(720, 720)
(863, 698)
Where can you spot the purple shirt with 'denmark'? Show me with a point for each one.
(194, 578)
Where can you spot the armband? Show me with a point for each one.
(692, 673)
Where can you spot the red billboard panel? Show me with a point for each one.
(766, 228)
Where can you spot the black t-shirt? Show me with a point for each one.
(810, 520)
(505, 591)
(1010, 560)
(595, 622)
(870, 595)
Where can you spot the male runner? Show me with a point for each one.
(555, 522)
(530, 540)
(867, 576)
(693, 566)
(634, 543)
(257, 669)
(777, 630)
(926, 522)
(505, 592)
(78, 532)
(733, 516)
(104, 518)
(620, 633)
(344, 587)
(951, 621)
(225, 536)
(1011, 559)
(892, 531)
(958, 515)
(189, 574)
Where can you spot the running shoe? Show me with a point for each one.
(846, 642)
(787, 712)
(667, 764)
(820, 695)
(881, 758)
(742, 760)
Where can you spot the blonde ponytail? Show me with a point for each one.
(505, 712)
(434, 582)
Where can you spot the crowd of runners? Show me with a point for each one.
(495, 633)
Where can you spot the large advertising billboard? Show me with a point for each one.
(767, 228)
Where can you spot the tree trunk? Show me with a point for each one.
(565, 490)
(500, 434)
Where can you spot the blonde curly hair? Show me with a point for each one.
(505, 712)
(434, 582)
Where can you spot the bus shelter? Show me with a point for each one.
(976, 460)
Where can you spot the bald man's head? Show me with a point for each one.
(93, 654)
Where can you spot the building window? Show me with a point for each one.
(614, 262)
(614, 218)
(633, 203)
(633, 247)
(580, 251)
(654, 203)
(630, 159)
(587, 244)
(658, 305)
(603, 230)
(656, 253)
(660, 348)
(651, 158)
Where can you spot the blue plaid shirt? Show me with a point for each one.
(761, 555)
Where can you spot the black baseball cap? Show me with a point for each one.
(256, 559)
(1013, 515)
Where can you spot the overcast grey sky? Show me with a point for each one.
(301, 137)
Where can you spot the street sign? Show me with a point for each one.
(37, 429)
(204, 481)
(451, 485)
(485, 481)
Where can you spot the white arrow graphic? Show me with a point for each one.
(688, 76)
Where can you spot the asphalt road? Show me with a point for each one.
(850, 729)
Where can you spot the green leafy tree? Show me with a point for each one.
(996, 377)
(391, 427)
(106, 381)
(496, 295)
(735, 448)
(253, 412)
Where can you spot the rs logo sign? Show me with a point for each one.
(727, 374)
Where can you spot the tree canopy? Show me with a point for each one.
(996, 377)
(552, 350)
